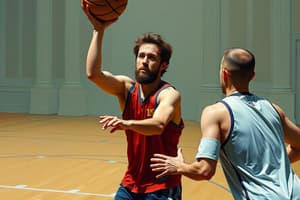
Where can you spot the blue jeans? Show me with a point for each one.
(166, 194)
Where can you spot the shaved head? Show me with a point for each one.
(237, 69)
(239, 59)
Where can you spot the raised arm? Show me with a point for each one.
(114, 85)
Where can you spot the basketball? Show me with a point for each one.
(107, 10)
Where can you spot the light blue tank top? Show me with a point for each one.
(253, 157)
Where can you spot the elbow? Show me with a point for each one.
(91, 76)
(207, 175)
(92, 71)
(89, 73)
(156, 128)
(204, 174)
(202, 169)
(160, 129)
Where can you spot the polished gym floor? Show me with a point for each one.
(50, 157)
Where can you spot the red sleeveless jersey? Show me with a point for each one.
(139, 177)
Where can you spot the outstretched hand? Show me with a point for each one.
(113, 122)
(98, 25)
(167, 165)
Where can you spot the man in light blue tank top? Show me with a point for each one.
(253, 138)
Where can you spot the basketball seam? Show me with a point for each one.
(106, 3)
(114, 9)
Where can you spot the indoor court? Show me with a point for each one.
(51, 157)
(51, 144)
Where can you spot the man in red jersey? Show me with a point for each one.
(151, 112)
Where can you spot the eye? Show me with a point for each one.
(152, 57)
(141, 55)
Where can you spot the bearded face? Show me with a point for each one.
(148, 66)
(147, 76)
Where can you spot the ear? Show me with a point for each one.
(225, 74)
(164, 65)
(252, 76)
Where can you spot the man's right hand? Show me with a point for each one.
(98, 25)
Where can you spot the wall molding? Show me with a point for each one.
(14, 98)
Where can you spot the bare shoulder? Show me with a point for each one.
(216, 110)
(121, 78)
(170, 94)
(215, 121)
(169, 104)
(116, 85)
(122, 83)
(127, 81)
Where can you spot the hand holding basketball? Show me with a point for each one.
(98, 25)
(102, 13)
(107, 10)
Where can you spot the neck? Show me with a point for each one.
(230, 91)
(146, 89)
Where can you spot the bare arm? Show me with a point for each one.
(114, 85)
(202, 168)
(168, 165)
(168, 109)
(291, 134)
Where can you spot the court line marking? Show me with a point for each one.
(88, 157)
(219, 185)
(72, 157)
(72, 191)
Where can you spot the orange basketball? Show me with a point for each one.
(107, 10)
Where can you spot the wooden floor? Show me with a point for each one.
(50, 157)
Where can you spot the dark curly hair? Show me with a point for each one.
(164, 47)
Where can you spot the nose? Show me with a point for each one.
(145, 62)
(145, 59)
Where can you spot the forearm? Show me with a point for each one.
(196, 171)
(146, 127)
(94, 56)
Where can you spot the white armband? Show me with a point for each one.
(209, 148)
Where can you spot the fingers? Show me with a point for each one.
(164, 173)
(165, 165)
(82, 3)
(162, 167)
(156, 160)
(158, 167)
(111, 121)
(159, 162)
(99, 25)
(161, 156)
(84, 6)
(108, 121)
(96, 23)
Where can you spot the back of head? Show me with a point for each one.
(240, 63)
